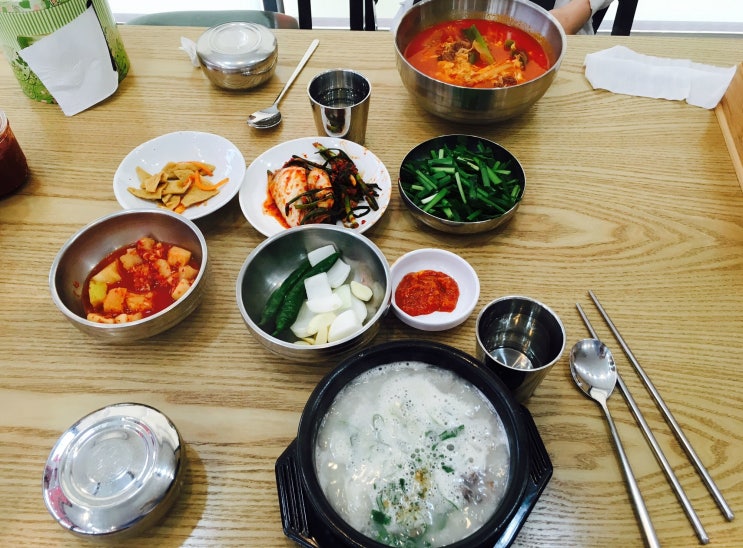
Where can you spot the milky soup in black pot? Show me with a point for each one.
(410, 454)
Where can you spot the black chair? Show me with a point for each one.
(361, 13)
(623, 20)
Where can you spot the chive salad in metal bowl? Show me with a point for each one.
(461, 183)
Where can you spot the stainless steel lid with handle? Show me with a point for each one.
(117, 470)
(238, 47)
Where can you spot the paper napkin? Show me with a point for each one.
(74, 64)
(621, 70)
(189, 46)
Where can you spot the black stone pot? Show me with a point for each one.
(309, 519)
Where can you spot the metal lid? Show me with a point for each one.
(238, 47)
(116, 470)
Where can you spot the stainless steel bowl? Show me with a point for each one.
(238, 56)
(91, 244)
(269, 264)
(473, 105)
(460, 227)
(115, 472)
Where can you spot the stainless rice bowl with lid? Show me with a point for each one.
(114, 472)
(238, 55)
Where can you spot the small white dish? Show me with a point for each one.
(182, 146)
(442, 261)
(254, 192)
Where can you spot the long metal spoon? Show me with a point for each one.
(655, 446)
(271, 116)
(594, 371)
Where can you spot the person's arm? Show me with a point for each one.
(573, 15)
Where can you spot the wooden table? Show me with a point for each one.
(634, 198)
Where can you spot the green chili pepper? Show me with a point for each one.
(295, 296)
(479, 43)
(277, 297)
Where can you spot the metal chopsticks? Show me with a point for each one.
(686, 445)
(677, 488)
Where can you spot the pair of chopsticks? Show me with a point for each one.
(683, 440)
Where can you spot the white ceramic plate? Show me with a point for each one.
(182, 146)
(254, 191)
(442, 261)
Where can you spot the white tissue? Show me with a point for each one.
(189, 46)
(621, 70)
(74, 64)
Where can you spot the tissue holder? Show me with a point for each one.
(730, 116)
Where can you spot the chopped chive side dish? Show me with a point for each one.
(462, 184)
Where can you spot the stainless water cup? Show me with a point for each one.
(520, 339)
(340, 103)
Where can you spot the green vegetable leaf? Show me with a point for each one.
(451, 433)
(380, 517)
(479, 43)
(462, 181)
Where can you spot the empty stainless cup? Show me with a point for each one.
(520, 339)
(340, 103)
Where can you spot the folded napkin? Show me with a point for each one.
(74, 64)
(189, 46)
(621, 70)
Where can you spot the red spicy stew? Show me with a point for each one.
(477, 53)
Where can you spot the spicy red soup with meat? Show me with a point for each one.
(477, 53)
(137, 281)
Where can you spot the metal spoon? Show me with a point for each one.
(595, 373)
(271, 116)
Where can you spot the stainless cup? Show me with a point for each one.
(520, 339)
(340, 103)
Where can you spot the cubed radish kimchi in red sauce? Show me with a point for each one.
(137, 281)
(477, 53)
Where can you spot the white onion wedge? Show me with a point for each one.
(345, 324)
(344, 292)
(359, 307)
(318, 287)
(338, 273)
(300, 327)
(317, 255)
(327, 304)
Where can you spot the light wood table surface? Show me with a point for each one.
(634, 198)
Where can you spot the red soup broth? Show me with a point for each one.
(431, 52)
(144, 278)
